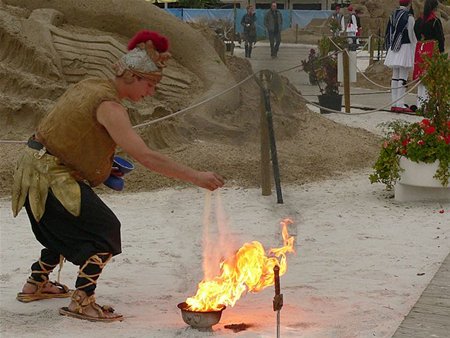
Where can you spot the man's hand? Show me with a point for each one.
(209, 180)
(114, 118)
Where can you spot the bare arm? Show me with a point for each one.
(114, 118)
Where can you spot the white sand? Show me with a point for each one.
(355, 273)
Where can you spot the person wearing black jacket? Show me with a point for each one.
(273, 21)
(248, 22)
(428, 27)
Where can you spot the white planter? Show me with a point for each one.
(418, 184)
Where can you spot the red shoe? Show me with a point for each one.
(405, 110)
(395, 109)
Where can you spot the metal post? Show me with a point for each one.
(370, 50)
(346, 73)
(379, 44)
(278, 299)
(266, 184)
(273, 147)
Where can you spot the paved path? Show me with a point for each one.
(430, 316)
(291, 55)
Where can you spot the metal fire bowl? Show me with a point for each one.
(200, 320)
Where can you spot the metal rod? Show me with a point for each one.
(273, 148)
(278, 299)
(266, 183)
(346, 70)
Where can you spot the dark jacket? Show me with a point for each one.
(430, 30)
(248, 22)
(269, 20)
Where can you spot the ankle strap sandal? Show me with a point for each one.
(39, 294)
(85, 307)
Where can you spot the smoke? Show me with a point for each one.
(218, 241)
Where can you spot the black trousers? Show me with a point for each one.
(96, 230)
(275, 40)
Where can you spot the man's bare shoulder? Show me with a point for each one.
(106, 106)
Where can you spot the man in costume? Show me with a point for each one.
(400, 45)
(71, 152)
(340, 21)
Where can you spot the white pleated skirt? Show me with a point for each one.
(403, 58)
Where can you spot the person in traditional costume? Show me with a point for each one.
(400, 43)
(339, 18)
(72, 151)
(352, 25)
(428, 28)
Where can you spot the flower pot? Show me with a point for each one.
(333, 101)
(418, 184)
(312, 79)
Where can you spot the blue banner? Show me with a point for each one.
(290, 17)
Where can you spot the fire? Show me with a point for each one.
(249, 269)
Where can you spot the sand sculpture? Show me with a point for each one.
(47, 45)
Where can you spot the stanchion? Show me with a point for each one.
(370, 50)
(266, 183)
(346, 73)
(264, 79)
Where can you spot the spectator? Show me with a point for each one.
(248, 22)
(273, 21)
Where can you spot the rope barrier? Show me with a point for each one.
(363, 74)
(376, 110)
(194, 105)
(12, 141)
(175, 113)
(239, 84)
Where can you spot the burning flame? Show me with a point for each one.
(249, 269)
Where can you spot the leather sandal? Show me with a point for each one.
(39, 294)
(85, 307)
(64, 292)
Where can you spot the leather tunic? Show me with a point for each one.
(71, 132)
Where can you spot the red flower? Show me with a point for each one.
(425, 123)
(421, 142)
(405, 142)
(447, 139)
(448, 124)
(429, 130)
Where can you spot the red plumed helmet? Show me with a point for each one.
(160, 42)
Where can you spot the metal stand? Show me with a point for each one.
(278, 299)
(273, 148)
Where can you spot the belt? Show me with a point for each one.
(36, 145)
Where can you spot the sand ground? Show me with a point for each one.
(362, 259)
